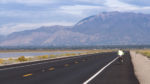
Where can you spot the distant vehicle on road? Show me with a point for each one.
(120, 54)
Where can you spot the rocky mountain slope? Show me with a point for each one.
(107, 28)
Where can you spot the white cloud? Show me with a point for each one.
(68, 13)
(92, 1)
(79, 10)
(15, 13)
(9, 28)
(26, 14)
(116, 5)
(137, 2)
(119, 6)
(28, 2)
(108, 5)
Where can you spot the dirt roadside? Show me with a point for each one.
(141, 67)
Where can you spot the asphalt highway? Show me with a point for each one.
(71, 70)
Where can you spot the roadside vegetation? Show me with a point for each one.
(35, 58)
(144, 52)
(21, 59)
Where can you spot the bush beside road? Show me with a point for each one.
(144, 52)
(14, 60)
(4, 61)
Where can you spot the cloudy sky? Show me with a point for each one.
(18, 15)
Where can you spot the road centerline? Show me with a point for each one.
(21, 66)
(26, 75)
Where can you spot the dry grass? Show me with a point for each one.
(52, 56)
(1, 61)
(144, 52)
(82, 50)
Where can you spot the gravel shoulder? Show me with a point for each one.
(141, 67)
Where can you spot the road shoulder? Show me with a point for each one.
(117, 73)
(141, 67)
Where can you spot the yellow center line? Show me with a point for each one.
(26, 75)
(66, 65)
(52, 68)
(76, 62)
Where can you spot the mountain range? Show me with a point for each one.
(106, 28)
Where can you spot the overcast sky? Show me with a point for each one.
(18, 15)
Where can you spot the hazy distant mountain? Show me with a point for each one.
(117, 28)
(31, 37)
(103, 29)
(114, 22)
(1, 38)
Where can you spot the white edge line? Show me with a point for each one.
(91, 78)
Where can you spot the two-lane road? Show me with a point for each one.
(71, 70)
